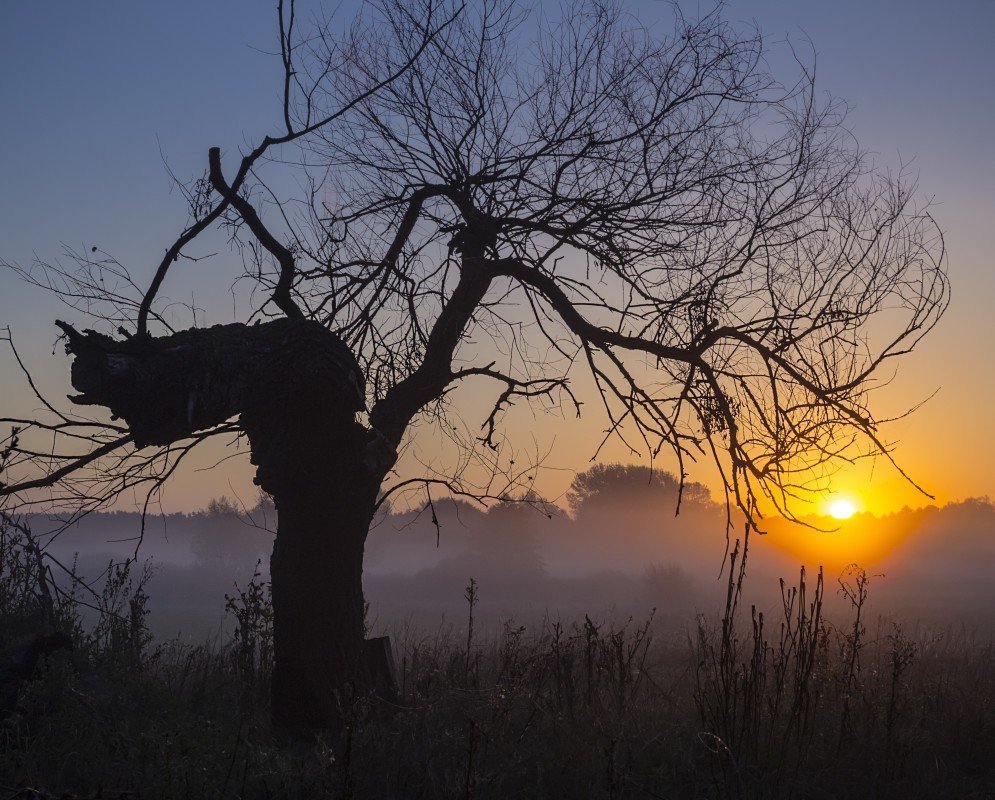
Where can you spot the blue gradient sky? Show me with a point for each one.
(91, 91)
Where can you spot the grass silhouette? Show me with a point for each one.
(738, 705)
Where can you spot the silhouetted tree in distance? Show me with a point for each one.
(615, 484)
(510, 200)
(609, 499)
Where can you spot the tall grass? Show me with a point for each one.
(740, 704)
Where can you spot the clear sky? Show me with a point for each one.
(93, 93)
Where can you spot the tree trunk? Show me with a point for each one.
(318, 606)
(297, 389)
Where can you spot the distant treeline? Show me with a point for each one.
(614, 543)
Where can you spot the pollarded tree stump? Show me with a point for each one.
(296, 389)
(168, 387)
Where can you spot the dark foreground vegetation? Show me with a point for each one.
(735, 705)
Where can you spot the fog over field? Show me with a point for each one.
(613, 548)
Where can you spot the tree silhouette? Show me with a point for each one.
(616, 484)
(541, 205)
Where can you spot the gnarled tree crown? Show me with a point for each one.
(586, 203)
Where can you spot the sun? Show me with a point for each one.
(841, 508)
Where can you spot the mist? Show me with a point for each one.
(613, 547)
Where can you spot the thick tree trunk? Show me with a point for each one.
(318, 606)
(297, 389)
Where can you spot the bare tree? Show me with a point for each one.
(538, 203)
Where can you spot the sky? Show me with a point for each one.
(94, 96)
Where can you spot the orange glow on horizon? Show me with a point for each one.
(860, 538)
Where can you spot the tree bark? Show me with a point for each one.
(319, 470)
(318, 605)
(297, 389)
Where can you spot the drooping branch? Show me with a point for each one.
(74, 465)
(587, 331)
(717, 411)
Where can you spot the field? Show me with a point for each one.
(732, 705)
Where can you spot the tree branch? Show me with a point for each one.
(281, 292)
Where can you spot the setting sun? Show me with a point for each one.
(841, 508)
